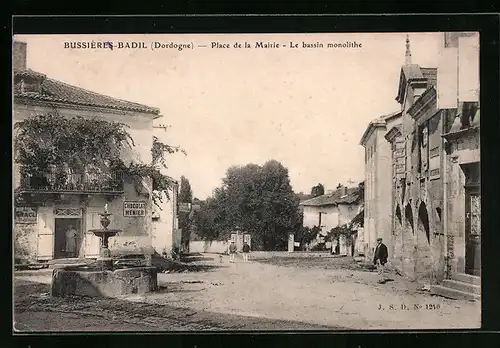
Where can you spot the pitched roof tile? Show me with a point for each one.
(335, 198)
(57, 91)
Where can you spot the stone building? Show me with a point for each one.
(378, 184)
(49, 207)
(462, 189)
(436, 196)
(417, 232)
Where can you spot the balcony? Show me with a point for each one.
(110, 183)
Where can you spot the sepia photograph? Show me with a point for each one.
(246, 182)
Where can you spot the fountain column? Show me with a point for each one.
(105, 261)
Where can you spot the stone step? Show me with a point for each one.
(466, 278)
(465, 287)
(64, 265)
(67, 261)
(454, 294)
(32, 273)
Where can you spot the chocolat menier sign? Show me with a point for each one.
(134, 208)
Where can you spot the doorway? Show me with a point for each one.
(472, 231)
(472, 219)
(67, 236)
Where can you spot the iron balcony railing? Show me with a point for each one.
(86, 182)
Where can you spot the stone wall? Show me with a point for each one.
(463, 151)
(25, 242)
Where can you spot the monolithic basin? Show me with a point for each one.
(95, 282)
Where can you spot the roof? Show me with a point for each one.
(431, 75)
(335, 198)
(426, 97)
(413, 72)
(359, 218)
(56, 91)
(457, 131)
(377, 122)
(393, 132)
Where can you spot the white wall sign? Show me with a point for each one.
(134, 208)
(26, 215)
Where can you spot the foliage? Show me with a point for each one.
(185, 194)
(185, 218)
(317, 190)
(301, 196)
(254, 199)
(305, 235)
(50, 141)
(337, 232)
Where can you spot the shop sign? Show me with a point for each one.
(26, 215)
(134, 209)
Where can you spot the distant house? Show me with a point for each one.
(333, 209)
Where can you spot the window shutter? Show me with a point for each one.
(434, 147)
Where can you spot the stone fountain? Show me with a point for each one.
(105, 261)
(103, 278)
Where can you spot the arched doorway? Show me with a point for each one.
(407, 239)
(398, 234)
(423, 252)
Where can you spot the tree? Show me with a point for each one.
(53, 141)
(255, 199)
(301, 196)
(305, 235)
(185, 194)
(185, 218)
(317, 190)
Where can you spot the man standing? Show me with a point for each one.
(232, 251)
(246, 250)
(71, 235)
(380, 259)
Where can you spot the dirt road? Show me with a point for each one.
(331, 297)
(263, 296)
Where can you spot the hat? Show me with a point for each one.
(379, 238)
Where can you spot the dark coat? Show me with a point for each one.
(381, 254)
(246, 248)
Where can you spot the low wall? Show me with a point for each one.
(216, 247)
(74, 282)
(295, 254)
(126, 245)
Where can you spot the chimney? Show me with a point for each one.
(19, 55)
(343, 191)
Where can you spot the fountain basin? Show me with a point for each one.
(93, 282)
(105, 233)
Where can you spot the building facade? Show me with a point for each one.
(378, 185)
(48, 207)
(435, 183)
(331, 210)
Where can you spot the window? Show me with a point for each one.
(434, 146)
(424, 150)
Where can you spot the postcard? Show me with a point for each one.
(210, 182)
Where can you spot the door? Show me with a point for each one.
(45, 242)
(67, 245)
(92, 245)
(472, 231)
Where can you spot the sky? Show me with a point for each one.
(305, 107)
